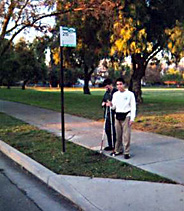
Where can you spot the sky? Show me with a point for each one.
(32, 33)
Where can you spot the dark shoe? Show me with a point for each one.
(127, 156)
(116, 153)
(108, 148)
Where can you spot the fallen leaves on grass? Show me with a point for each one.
(171, 124)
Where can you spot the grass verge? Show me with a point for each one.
(45, 148)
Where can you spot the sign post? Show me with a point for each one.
(67, 39)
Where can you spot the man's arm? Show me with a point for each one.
(112, 103)
(133, 109)
(104, 100)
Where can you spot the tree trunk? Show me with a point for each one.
(86, 81)
(1, 81)
(8, 86)
(139, 67)
(136, 89)
(24, 84)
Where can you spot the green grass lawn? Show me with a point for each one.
(46, 148)
(162, 101)
(162, 111)
(76, 103)
(159, 101)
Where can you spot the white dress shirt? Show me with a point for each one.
(124, 102)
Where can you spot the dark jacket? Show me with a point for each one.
(108, 96)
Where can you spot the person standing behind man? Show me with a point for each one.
(123, 102)
(110, 90)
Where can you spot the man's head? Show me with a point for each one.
(120, 83)
(108, 84)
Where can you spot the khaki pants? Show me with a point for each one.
(123, 131)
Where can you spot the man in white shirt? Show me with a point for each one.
(123, 102)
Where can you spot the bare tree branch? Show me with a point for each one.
(7, 19)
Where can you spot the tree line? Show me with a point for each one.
(105, 29)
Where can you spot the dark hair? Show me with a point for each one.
(121, 80)
(107, 81)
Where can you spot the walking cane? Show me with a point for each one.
(103, 134)
(112, 131)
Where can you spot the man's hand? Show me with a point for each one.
(108, 103)
(131, 122)
(103, 104)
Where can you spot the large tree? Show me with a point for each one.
(39, 46)
(29, 68)
(17, 16)
(93, 34)
(9, 65)
(140, 31)
(176, 41)
(93, 44)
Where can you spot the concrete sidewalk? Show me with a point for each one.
(98, 194)
(158, 154)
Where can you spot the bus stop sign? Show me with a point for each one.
(67, 37)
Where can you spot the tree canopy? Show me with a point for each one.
(93, 34)
(18, 16)
(141, 30)
(136, 28)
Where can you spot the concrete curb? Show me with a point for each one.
(53, 180)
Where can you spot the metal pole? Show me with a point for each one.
(62, 100)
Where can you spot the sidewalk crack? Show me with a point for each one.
(168, 160)
(85, 197)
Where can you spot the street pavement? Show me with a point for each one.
(155, 153)
(21, 191)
